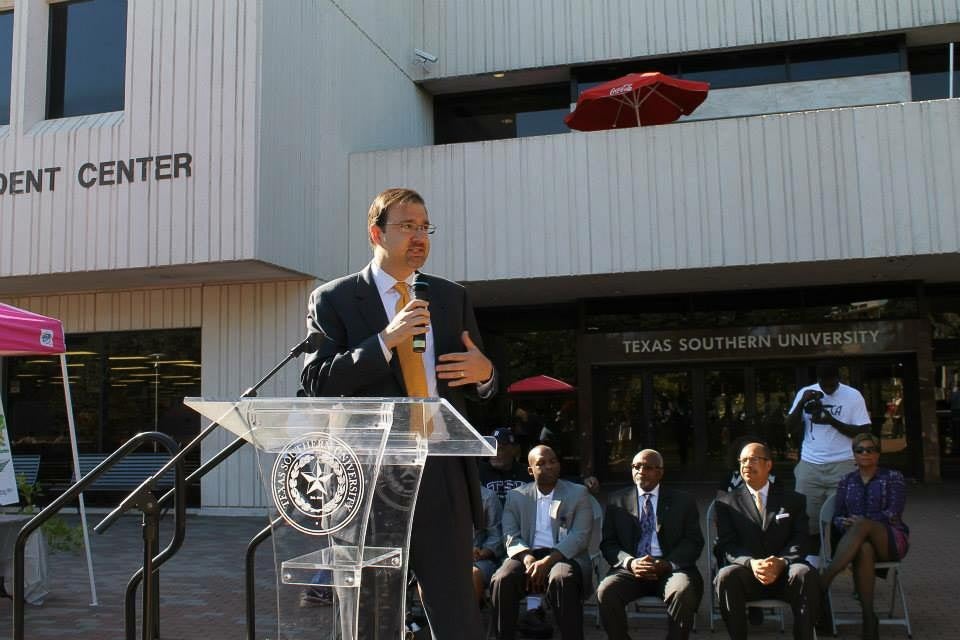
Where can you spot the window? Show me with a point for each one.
(6, 60)
(930, 71)
(512, 113)
(122, 383)
(737, 69)
(87, 56)
(856, 58)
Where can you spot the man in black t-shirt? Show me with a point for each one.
(502, 473)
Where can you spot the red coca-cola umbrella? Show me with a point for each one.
(634, 100)
(540, 384)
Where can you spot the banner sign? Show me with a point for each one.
(8, 478)
(749, 343)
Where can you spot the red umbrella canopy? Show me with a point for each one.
(636, 99)
(25, 333)
(540, 384)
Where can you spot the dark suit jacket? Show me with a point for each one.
(741, 536)
(348, 314)
(678, 528)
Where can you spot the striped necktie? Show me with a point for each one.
(646, 527)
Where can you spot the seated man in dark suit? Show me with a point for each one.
(546, 527)
(762, 534)
(652, 539)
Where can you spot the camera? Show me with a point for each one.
(425, 56)
(814, 407)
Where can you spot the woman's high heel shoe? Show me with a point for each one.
(871, 628)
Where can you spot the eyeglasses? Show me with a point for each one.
(863, 450)
(751, 460)
(410, 228)
(639, 466)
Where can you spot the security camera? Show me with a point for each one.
(425, 56)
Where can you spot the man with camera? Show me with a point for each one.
(824, 418)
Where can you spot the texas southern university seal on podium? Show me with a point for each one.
(317, 484)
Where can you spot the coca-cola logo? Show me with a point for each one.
(624, 88)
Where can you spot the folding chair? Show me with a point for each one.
(893, 568)
(777, 606)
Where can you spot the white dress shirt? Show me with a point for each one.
(764, 490)
(543, 536)
(655, 549)
(390, 296)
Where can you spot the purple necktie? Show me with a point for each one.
(646, 527)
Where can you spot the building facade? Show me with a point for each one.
(175, 208)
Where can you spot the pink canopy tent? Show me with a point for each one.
(24, 333)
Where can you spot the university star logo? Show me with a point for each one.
(317, 484)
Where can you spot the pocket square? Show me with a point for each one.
(782, 514)
(555, 508)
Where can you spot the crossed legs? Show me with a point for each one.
(864, 544)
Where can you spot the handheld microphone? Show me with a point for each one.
(421, 291)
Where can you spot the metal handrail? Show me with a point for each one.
(250, 582)
(147, 502)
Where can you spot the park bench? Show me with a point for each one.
(129, 472)
(28, 466)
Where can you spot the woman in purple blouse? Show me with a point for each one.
(868, 512)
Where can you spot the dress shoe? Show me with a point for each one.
(871, 627)
(825, 622)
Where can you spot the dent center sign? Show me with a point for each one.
(747, 343)
(101, 173)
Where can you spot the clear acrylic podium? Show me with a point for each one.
(342, 476)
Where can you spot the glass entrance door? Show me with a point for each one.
(695, 415)
(618, 422)
(671, 419)
(882, 386)
(726, 418)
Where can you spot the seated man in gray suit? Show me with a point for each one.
(652, 539)
(546, 527)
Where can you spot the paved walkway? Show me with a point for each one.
(202, 587)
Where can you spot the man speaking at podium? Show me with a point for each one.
(368, 322)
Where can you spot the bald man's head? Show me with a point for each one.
(544, 467)
(647, 469)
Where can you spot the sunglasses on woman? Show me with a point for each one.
(863, 450)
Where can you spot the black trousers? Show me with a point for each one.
(441, 551)
(680, 590)
(564, 596)
(799, 585)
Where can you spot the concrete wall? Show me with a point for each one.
(190, 86)
(334, 79)
(269, 99)
(483, 36)
(801, 96)
(812, 186)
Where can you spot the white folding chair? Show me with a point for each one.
(777, 606)
(893, 570)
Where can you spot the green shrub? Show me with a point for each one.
(60, 536)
